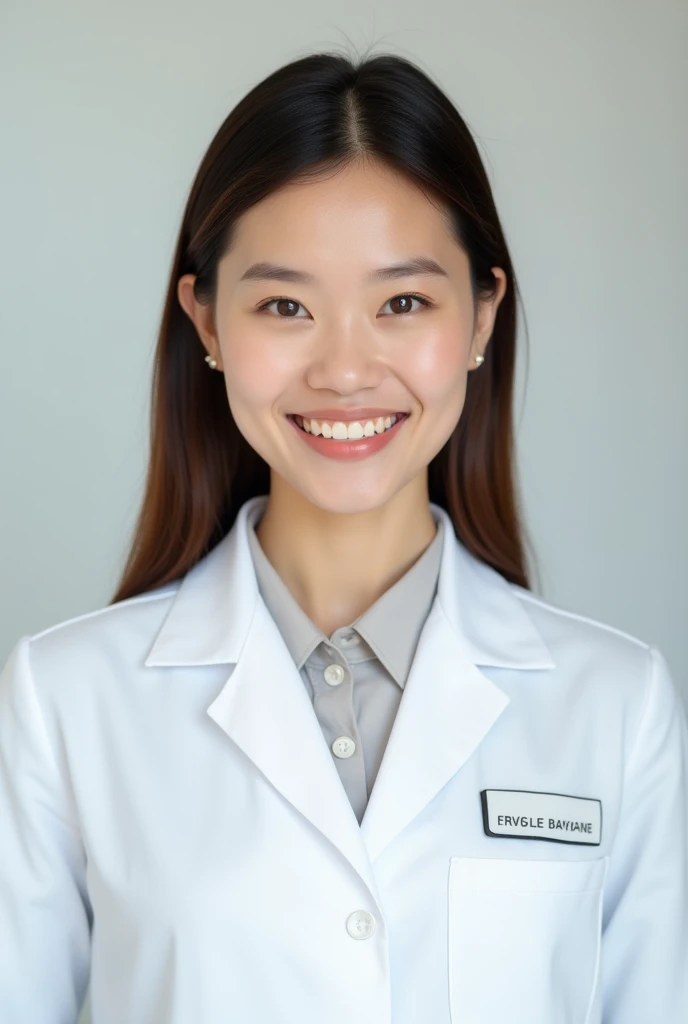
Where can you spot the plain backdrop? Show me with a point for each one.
(581, 113)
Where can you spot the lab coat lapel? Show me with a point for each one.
(265, 709)
(217, 617)
(449, 705)
(447, 708)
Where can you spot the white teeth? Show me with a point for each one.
(352, 431)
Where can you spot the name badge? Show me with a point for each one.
(554, 817)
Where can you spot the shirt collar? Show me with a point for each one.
(391, 627)
(212, 606)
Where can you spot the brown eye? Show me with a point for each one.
(403, 303)
(286, 308)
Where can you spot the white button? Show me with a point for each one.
(360, 924)
(334, 674)
(343, 746)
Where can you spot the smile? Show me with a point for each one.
(343, 441)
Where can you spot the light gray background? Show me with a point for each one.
(581, 114)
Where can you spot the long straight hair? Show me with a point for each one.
(314, 115)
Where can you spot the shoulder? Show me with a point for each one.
(564, 628)
(115, 639)
(609, 663)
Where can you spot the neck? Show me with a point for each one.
(336, 565)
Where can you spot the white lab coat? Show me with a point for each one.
(165, 784)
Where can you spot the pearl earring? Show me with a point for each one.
(480, 359)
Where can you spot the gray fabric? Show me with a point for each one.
(376, 652)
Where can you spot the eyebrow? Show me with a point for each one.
(265, 271)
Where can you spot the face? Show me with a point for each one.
(331, 342)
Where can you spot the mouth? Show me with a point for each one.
(333, 430)
(330, 443)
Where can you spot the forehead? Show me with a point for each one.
(363, 212)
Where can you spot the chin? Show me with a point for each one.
(345, 499)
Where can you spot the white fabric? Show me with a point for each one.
(165, 783)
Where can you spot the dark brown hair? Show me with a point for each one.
(314, 115)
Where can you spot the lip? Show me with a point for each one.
(348, 415)
(357, 448)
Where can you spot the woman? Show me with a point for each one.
(325, 756)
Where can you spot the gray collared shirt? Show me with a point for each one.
(356, 677)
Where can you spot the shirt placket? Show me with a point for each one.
(332, 678)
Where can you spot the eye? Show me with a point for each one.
(406, 298)
(288, 306)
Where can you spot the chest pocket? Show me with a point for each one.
(524, 939)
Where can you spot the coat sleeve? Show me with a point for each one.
(644, 962)
(44, 912)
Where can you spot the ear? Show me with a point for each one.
(200, 315)
(487, 312)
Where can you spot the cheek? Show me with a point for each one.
(437, 371)
(257, 371)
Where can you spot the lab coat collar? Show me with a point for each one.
(448, 706)
(215, 602)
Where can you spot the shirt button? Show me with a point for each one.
(343, 746)
(360, 924)
(334, 674)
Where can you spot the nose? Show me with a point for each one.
(345, 361)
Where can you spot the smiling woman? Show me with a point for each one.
(378, 183)
(324, 756)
